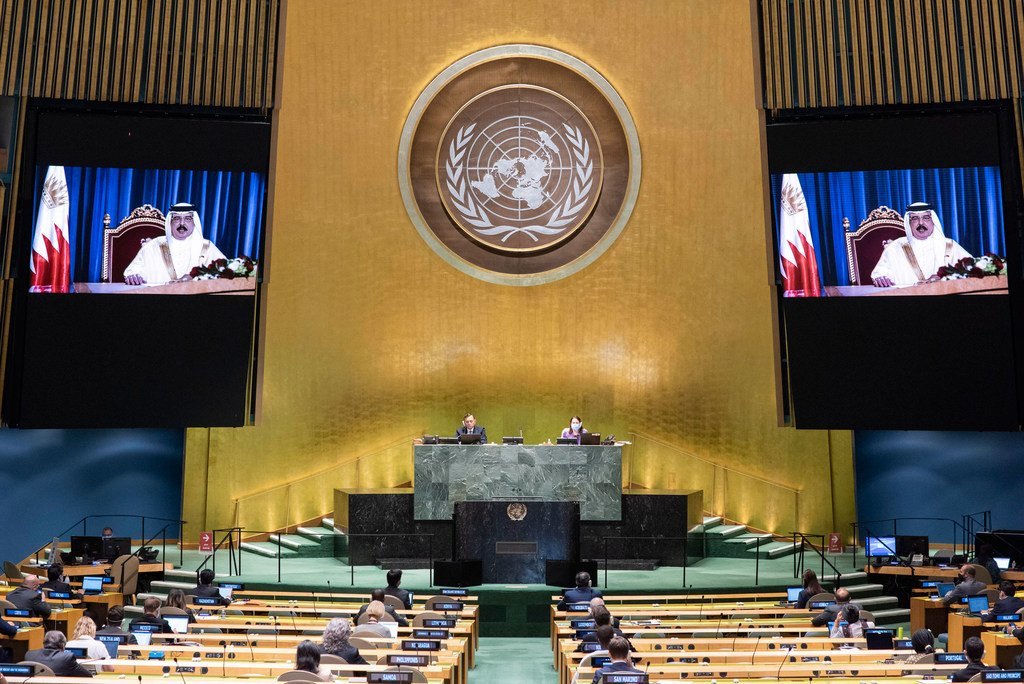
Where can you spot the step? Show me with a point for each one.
(776, 549)
(891, 615)
(167, 584)
(318, 533)
(328, 523)
(709, 522)
(749, 539)
(629, 564)
(852, 577)
(872, 602)
(267, 550)
(180, 575)
(294, 542)
(725, 531)
(857, 590)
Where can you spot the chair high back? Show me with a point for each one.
(13, 572)
(7, 605)
(365, 619)
(125, 571)
(824, 596)
(982, 574)
(121, 244)
(171, 610)
(329, 658)
(299, 676)
(420, 618)
(394, 602)
(361, 643)
(864, 246)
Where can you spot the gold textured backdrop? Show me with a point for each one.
(370, 338)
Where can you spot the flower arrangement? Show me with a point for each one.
(969, 267)
(240, 267)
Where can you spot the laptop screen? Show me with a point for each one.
(944, 589)
(92, 583)
(178, 623)
(1002, 563)
(793, 594)
(977, 604)
(879, 639)
(225, 592)
(111, 641)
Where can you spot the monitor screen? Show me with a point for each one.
(143, 637)
(879, 639)
(977, 604)
(944, 589)
(87, 547)
(875, 547)
(178, 623)
(92, 583)
(793, 594)
(1002, 563)
(225, 592)
(111, 641)
(116, 546)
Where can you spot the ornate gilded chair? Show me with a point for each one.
(121, 244)
(864, 246)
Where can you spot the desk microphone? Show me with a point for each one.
(784, 659)
(753, 654)
(329, 594)
(248, 641)
(178, 671)
(224, 659)
(276, 630)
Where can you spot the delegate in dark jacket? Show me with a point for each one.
(62, 663)
(24, 598)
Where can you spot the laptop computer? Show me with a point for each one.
(944, 589)
(1002, 563)
(976, 605)
(178, 623)
(144, 633)
(92, 585)
(225, 592)
(111, 641)
(470, 439)
(879, 639)
(793, 594)
(590, 438)
(78, 651)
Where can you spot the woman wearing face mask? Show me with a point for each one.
(575, 429)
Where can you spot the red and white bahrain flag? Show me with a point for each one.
(797, 259)
(51, 251)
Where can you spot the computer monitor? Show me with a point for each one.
(793, 594)
(879, 639)
(944, 589)
(87, 547)
(470, 439)
(908, 545)
(116, 546)
(879, 547)
(111, 641)
(1002, 563)
(178, 623)
(590, 438)
(77, 651)
(977, 604)
(92, 584)
(142, 637)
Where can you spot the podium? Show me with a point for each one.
(513, 539)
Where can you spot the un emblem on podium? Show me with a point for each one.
(516, 511)
(519, 164)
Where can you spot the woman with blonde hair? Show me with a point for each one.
(375, 613)
(85, 637)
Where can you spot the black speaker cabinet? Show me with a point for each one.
(460, 573)
(559, 573)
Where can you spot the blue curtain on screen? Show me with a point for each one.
(969, 203)
(230, 206)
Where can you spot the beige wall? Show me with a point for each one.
(360, 349)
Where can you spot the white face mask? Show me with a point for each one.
(575, 425)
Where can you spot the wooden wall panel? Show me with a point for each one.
(180, 52)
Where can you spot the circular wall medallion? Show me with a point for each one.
(516, 511)
(519, 165)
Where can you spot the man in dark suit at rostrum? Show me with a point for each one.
(829, 614)
(581, 594)
(618, 649)
(969, 586)
(378, 595)
(1008, 603)
(53, 656)
(394, 579)
(27, 597)
(974, 648)
(206, 589)
(469, 427)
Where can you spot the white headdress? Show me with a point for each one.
(184, 253)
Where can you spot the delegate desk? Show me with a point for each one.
(28, 639)
(447, 473)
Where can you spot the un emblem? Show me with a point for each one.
(516, 511)
(519, 165)
(519, 169)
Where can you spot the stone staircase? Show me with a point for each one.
(736, 541)
(307, 542)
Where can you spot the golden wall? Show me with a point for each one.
(370, 338)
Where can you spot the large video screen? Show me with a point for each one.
(144, 230)
(897, 263)
(137, 266)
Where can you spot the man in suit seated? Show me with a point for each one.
(974, 648)
(969, 586)
(378, 595)
(602, 618)
(618, 649)
(151, 616)
(394, 579)
(27, 597)
(829, 614)
(206, 589)
(1008, 603)
(469, 427)
(115, 616)
(599, 601)
(583, 592)
(53, 656)
(56, 583)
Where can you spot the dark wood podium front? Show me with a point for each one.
(513, 539)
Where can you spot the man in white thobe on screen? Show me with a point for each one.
(917, 257)
(173, 256)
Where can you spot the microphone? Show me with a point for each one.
(329, 594)
(292, 614)
(315, 613)
(224, 659)
(788, 651)
(178, 671)
(752, 653)
(719, 625)
(276, 630)
(248, 642)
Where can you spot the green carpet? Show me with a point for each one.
(517, 660)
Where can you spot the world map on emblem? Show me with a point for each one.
(519, 169)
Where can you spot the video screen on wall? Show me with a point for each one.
(101, 230)
(137, 267)
(895, 243)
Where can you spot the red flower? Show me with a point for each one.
(227, 273)
(976, 272)
(195, 272)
